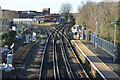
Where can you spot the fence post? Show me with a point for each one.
(89, 37)
(118, 54)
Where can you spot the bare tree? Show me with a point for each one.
(65, 10)
(105, 12)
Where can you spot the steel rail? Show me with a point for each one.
(45, 51)
(54, 58)
(76, 56)
(44, 56)
(68, 68)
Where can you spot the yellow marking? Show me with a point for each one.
(22, 26)
(111, 68)
(96, 57)
(82, 59)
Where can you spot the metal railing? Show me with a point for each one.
(102, 43)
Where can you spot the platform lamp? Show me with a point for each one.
(96, 33)
(86, 29)
(118, 48)
(114, 59)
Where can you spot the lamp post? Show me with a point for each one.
(96, 33)
(114, 41)
(86, 29)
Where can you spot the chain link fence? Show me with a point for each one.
(102, 43)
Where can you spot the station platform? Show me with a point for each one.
(96, 62)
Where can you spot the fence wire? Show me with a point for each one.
(102, 43)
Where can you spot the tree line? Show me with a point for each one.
(105, 13)
(8, 37)
(65, 11)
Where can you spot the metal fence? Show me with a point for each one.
(102, 43)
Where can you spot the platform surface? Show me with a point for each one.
(103, 69)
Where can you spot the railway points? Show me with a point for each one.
(56, 57)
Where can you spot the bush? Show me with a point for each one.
(8, 37)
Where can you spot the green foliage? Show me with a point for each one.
(118, 21)
(8, 37)
(84, 25)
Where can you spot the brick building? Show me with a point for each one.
(43, 16)
(52, 18)
(32, 14)
(46, 11)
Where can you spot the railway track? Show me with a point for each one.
(49, 59)
(71, 69)
(73, 54)
(47, 71)
(56, 63)
(67, 65)
(20, 54)
(58, 60)
(65, 69)
(75, 68)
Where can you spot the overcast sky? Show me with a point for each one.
(38, 5)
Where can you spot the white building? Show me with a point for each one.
(24, 20)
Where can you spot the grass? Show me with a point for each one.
(40, 35)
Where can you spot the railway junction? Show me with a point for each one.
(57, 55)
